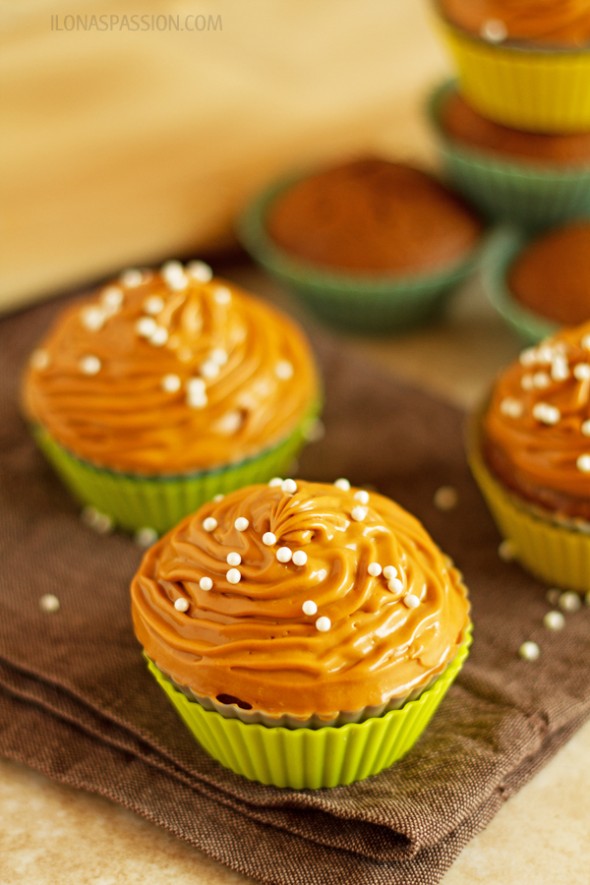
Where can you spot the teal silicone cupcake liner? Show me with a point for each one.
(501, 251)
(518, 192)
(352, 303)
(312, 758)
(133, 502)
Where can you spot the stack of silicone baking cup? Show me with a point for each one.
(529, 87)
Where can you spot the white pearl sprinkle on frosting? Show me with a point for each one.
(229, 423)
(511, 407)
(145, 327)
(395, 585)
(361, 496)
(199, 271)
(342, 484)
(583, 463)
(585, 342)
(153, 305)
(209, 370)
(309, 607)
(546, 413)
(284, 554)
(494, 30)
(582, 372)
(131, 278)
(585, 428)
(171, 383)
(241, 523)
(233, 558)
(233, 575)
(529, 651)
(506, 551)
(145, 536)
(554, 621)
(541, 380)
(284, 370)
(209, 524)
(526, 382)
(323, 624)
(411, 601)
(275, 482)
(159, 337)
(269, 539)
(196, 393)
(218, 356)
(389, 572)
(299, 557)
(570, 602)
(446, 498)
(528, 357)
(359, 513)
(374, 569)
(289, 486)
(217, 498)
(560, 369)
(93, 318)
(222, 295)
(174, 276)
(206, 584)
(181, 604)
(49, 603)
(90, 365)
(39, 359)
(111, 298)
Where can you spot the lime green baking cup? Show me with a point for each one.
(555, 553)
(303, 758)
(528, 87)
(531, 195)
(355, 303)
(501, 250)
(133, 501)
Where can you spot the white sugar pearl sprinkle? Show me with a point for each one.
(389, 572)
(289, 486)
(233, 558)
(585, 428)
(511, 407)
(395, 585)
(269, 539)
(209, 370)
(222, 295)
(218, 356)
(309, 607)
(299, 557)
(583, 463)
(342, 484)
(582, 372)
(546, 414)
(570, 602)
(100, 522)
(284, 370)
(284, 554)
(233, 575)
(111, 298)
(241, 523)
(93, 318)
(131, 278)
(174, 275)
(374, 569)
(361, 496)
(200, 271)
(209, 524)
(494, 30)
(359, 513)
(529, 651)
(554, 621)
(145, 536)
(541, 380)
(171, 383)
(39, 359)
(206, 584)
(159, 337)
(153, 305)
(411, 601)
(275, 482)
(528, 357)
(146, 326)
(181, 604)
(196, 400)
(49, 603)
(323, 624)
(506, 551)
(90, 365)
(585, 342)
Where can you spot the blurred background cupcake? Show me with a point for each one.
(368, 244)
(164, 388)
(297, 626)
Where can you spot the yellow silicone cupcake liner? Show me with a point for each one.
(306, 758)
(533, 88)
(555, 553)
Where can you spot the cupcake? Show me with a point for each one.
(530, 452)
(305, 632)
(543, 283)
(369, 245)
(528, 178)
(524, 64)
(164, 388)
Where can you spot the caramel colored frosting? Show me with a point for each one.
(373, 217)
(536, 430)
(347, 604)
(551, 276)
(170, 372)
(463, 124)
(544, 22)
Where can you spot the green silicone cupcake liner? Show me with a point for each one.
(501, 250)
(523, 193)
(134, 502)
(353, 303)
(312, 758)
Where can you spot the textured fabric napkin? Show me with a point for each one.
(77, 703)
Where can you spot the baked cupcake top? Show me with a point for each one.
(462, 123)
(551, 276)
(536, 428)
(166, 372)
(543, 22)
(299, 598)
(373, 217)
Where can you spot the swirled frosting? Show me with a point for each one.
(169, 372)
(549, 22)
(536, 429)
(340, 600)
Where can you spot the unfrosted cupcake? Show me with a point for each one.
(298, 626)
(525, 64)
(530, 452)
(165, 388)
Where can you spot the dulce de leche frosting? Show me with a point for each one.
(536, 430)
(545, 22)
(168, 372)
(300, 598)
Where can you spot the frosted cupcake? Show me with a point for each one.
(530, 452)
(299, 626)
(165, 388)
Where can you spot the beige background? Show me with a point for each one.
(118, 149)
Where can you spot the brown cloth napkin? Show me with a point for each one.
(77, 703)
